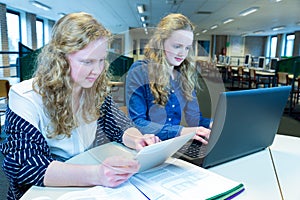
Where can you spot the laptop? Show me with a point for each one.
(148, 157)
(245, 122)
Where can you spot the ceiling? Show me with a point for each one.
(121, 15)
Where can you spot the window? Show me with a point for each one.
(289, 45)
(40, 33)
(273, 46)
(13, 32)
(203, 48)
(143, 43)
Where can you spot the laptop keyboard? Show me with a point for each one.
(194, 149)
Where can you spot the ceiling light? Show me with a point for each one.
(277, 28)
(61, 14)
(144, 25)
(40, 5)
(248, 11)
(140, 9)
(258, 32)
(204, 31)
(228, 20)
(214, 27)
(143, 18)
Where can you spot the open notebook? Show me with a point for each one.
(245, 122)
(160, 176)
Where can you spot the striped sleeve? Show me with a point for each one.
(26, 155)
(112, 123)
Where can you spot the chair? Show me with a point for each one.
(242, 78)
(4, 89)
(255, 81)
(296, 91)
(282, 78)
(231, 75)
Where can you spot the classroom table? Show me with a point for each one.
(286, 156)
(272, 173)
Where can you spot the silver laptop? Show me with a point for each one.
(245, 122)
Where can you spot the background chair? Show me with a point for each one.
(282, 78)
(255, 81)
(242, 77)
(4, 89)
(296, 91)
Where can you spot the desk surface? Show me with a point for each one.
(255, 171)
(286, 155)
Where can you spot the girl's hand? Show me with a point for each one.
(146, 140)
(116, 170)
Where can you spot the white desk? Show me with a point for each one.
(255, 171)
(286, 156)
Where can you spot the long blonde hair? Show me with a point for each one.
(158, 65)
(52, 79)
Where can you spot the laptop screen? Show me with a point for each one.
(245, 121)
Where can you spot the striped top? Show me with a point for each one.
(28, 152)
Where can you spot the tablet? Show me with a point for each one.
(158, 153)
(148, 157)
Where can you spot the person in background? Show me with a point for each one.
(161, 89)
(64, 110)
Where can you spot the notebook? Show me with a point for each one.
(245, 122)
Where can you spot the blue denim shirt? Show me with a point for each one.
(152, 118)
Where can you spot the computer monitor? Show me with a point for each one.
(247, 61)
(261, 62)
(227, 60)
(221, 58)
(273, 63)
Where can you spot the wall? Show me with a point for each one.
(255, 45)
(296, 50)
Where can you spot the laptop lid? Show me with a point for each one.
(245, 122)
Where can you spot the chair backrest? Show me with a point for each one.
(4, 88)
(252, 74)
(240, 71)
(282, 78)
